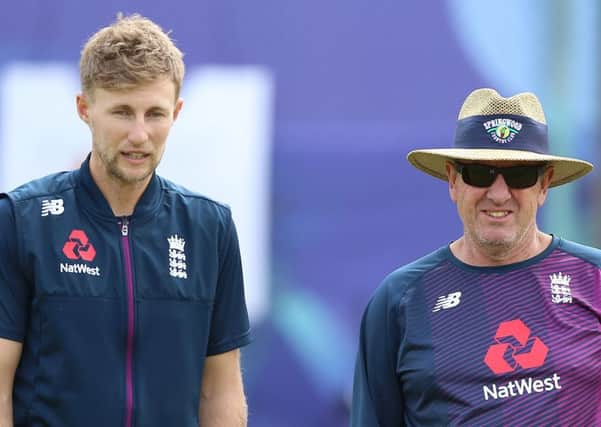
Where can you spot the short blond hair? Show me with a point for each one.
(131, 51)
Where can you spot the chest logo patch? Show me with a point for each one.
(79, 247)
(561, 293)
(177, 257)
(53, 207)
(445, 302)
(515, 347)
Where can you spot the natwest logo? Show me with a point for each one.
(515, 347)
(79, 247)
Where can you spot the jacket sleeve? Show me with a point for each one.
(230, 327)
(377, 397)
(14, 290)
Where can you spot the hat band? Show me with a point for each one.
(502, 132)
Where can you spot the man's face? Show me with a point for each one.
(497, 217)
(129, 129)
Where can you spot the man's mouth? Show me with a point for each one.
(497, 214)
(135, 156)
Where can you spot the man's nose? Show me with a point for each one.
(498, 191)
(138, 132)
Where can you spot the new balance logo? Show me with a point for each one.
(53, 207)
(445, 302)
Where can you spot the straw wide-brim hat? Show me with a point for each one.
(493, 128)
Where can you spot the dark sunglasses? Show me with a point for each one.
(482, 176)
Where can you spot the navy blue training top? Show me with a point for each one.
(116, 315)
(444, 343)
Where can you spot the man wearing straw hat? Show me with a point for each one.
(503, 325)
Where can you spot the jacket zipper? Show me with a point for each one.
(129, 386)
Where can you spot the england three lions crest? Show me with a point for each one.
(561, 292)
(177, 257)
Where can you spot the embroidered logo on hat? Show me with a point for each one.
(502, 130)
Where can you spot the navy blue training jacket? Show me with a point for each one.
(116, 315)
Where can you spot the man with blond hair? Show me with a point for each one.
(121, 293)
(501, 327)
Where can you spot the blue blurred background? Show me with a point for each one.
(331, 96)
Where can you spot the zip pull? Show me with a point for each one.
(124, 227)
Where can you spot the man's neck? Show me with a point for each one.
(121, 197)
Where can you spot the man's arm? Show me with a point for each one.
(222, 401)
(14, 303)
(377, 392)
(10, 354)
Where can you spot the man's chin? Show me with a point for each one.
(137, 179)
(131, 178)
(498, 243)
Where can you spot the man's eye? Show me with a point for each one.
(122, 113)
(156, 114)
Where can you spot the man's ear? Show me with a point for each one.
(82, 105)
(545, 181)
(452, 178)
(178, 107)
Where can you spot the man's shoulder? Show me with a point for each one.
(398, 281)
(398, 288)
(53, 184)
(193, 199)
(417, 268)
(587, 253)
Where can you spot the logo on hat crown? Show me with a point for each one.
(502, 130)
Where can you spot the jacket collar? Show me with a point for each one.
(94, 201)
